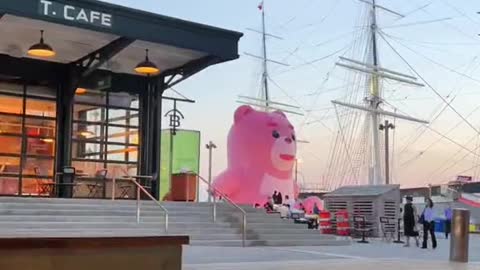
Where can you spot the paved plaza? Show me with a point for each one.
(373, 256)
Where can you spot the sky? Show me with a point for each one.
(438, 39)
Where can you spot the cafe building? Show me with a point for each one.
(81, 90)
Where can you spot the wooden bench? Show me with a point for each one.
(122, 253)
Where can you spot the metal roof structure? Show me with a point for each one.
(366, 190)
(116, 36)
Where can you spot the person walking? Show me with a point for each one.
(410, 221)
(448, 220)
(428, 221)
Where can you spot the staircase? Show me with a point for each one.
(52, 217)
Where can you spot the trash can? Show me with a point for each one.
(184, 187)
(440, 225)
(460, 236)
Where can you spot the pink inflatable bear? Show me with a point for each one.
(261, 157)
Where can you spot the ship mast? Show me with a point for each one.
(375, 99)
(265, 94)
(373, 109)
(264, 102)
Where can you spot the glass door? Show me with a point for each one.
(27, 139)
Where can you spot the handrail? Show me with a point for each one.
(470, 197)
(214, 212)
(141, 188)
(455, 194)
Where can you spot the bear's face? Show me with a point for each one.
(263, 139)
(283, 149)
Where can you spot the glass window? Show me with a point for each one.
(40, 127)
(40, 147)
(122, 135)
(105, 135)
(88, 131)
(87, 167)
(135, 104)
(40, 91)
(117, 116)
(33, 131)
(121, 153)
(10, 124)
(133, 154)
(38, 167)
(9, 165)
(33, 186)
(87, 150)
(90, 113)
(9, 185)
(38, 107)
(10, 145)
(89, 96)
(123, 117)
(11, 88)
(134, 120)
(11, 104)
(117, 135)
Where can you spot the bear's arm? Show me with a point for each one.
(227, 183)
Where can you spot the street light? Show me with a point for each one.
(210, 146)
(297, 161)
(387, 126)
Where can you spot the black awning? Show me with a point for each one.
(76, 28)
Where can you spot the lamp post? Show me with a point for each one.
(210, 146)
(297, 161)
(387, 126)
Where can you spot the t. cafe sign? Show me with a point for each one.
(76, 14)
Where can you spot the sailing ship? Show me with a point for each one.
(367, 162)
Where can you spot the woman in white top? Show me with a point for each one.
(428, 217)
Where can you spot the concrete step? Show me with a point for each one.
(120, 203)
(290, 237)
(47, 217)
(119, 232)
(272, 243)
(20, 216)
(180, 226)
(114, 205)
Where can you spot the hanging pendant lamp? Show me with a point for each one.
(147, 67)
(80, 91)
(41, 49)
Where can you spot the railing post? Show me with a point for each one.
(399, 234)
(166, 222)
(113, 188)
(460, 236)
(187, 187)
(244, 230)
(214, 209)
(138, 204)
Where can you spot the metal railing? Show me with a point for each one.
(452, 193)
(141, 189)
(471, 197)
(216, 193)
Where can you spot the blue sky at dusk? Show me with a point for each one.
(438, 38)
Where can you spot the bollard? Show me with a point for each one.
(460, 235)
(399, 233)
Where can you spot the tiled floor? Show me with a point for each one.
(374, 256)
(346, 264)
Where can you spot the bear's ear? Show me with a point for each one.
(280, 113)
(241, 112)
